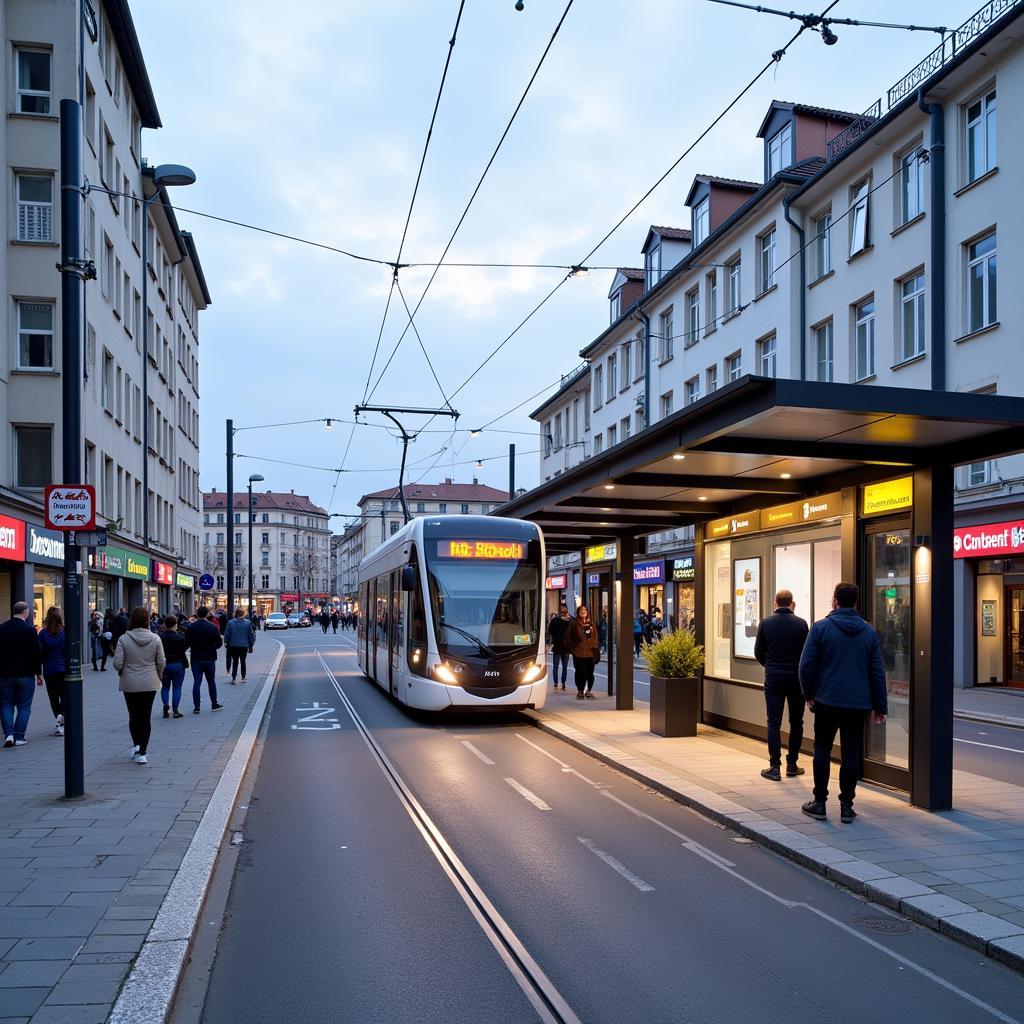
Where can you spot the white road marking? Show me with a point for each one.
(527, 795)
(616, 865)
(546, 753)
(991, 746)
(479, 753)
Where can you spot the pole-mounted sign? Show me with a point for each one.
(70, 507)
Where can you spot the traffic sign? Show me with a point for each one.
(89, 538)
(70, 507)
(206, 581)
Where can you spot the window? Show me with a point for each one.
(558, 431)
(860, 238)
(586, 410)
(265, 538)
(598, 388)
(612, 379)
(979, 474)
(711, 301)
(981, 283)
(612, 438)
(766, 259)
(692, 390)
(666, 329)
(33, 82)
(864, 340)
(393, 525)
(625, 425)
(701, 221)
(733, 366)
(238, 537)
(615, 305)
(35, 208)
(823, 353)
(107, 383)
(981, 136)
(638, 358)
(733, 298)
(666, 405)
(692, 317)
(652, 267)
(911, 190)
(598, 444)
(911, 317)
(767, 356)
(265, 581)
(712, 376)
(464, 509)
(823, 245)
(35, 335)
(442, 506)
(33, 456)
(780, 150)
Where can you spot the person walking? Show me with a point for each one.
(118, 628)
(638, 633)
(203, 639)
(106, 639)
(239, 639)
(585, 649)
(222, 621)
(325, 620)
(843, 679)
(139, 663)
(176, 657)
(51, 654)
(602, 632)
(558, 629)
(95, 629)
(334, 621)
(778, 646)
(20, 673)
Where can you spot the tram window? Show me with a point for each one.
(382, 611)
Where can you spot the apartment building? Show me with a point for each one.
(871, 253)
(153, 557)
(290, 550)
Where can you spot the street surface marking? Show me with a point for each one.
(616, 865)
(991, 746)
(568, 769)
(479, 753)
(316, 722)
(527, 795)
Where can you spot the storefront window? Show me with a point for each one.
(719, 609)
(99, 592)
(793, 573)
(685, 606)
(151, 596)
(651, 599)
(47, 592)
(828, 571)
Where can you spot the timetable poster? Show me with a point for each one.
(747, 589)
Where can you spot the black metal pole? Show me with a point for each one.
(231, 514)
(250, 547)
(145, 370)
(71, 433)
(511, 471)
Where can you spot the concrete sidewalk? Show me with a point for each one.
(81, 881)
(996, 705)
(960, 872)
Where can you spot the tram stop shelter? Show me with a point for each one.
(794, 484)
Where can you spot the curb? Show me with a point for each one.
(985, 933)
(1007, 721)
(148, 991)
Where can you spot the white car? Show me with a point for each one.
(276, 620)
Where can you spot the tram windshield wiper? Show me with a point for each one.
(484, 649)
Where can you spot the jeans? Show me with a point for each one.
(55, 691)
(95, 648)
(560, 658)
(200, 669)
(140, 712)
(174, 677)
(849, 723)
(638, 639)
(16, 692)
(236, 660)
(583, 673)
(777, 693)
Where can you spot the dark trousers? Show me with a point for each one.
(170, 691)
(583, 673)
(140, 712)
(849, 723)
(55, 691)
(209, 670)
(560, 658)
(236, 660)
(777, 693)
(638, 639)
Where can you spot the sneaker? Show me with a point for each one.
(20, 743)
(141, 759)
(589, 696)
(9, 741)
(793, 770)
(178, 714)
(216, 707)
(771, 773)
(58, 729)
(134, 753)
(167, 711)
(60, 721)
(195, 711)
(563, 686)
(815, 809)
(579, 696)
(233, 683)
(846, 813)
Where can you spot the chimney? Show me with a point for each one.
(475, 481)
(447, 479)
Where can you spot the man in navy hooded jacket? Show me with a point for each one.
(843, 678)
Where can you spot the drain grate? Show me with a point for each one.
(884, 925)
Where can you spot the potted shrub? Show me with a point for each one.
(675, 663)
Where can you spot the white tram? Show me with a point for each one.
(450, 614)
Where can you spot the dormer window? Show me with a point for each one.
(780, 150)
(616, 305)
(701, 220)
(653, 267)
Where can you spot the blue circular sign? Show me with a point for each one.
(206, 581)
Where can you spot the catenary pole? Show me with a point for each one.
(231, 514)
(511, 471)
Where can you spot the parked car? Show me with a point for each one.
(276, 620)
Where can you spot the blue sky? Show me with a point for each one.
(309, 118)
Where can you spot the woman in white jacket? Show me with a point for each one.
(139, 662)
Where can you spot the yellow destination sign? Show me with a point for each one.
(888, 496)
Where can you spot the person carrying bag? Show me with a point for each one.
(139, 661)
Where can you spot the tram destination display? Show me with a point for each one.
(484, 549)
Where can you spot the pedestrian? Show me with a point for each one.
(779, 643)
(585, 649)
(106, 639)
(558, 629)
(254, 619)
(20, 673)
(203, 639)
(602, 632)
(843, 679)
(51, 654)
(334, 621)
(325, 620)
(95, 629)
(638, 632)
(118, 628)
(154, 623)
(176, 658)
(239, 639)
(222, 621)
(139, 662)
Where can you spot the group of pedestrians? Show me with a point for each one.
(578, 638)
(332, 618)
(647, 628)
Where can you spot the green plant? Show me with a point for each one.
(675, 655)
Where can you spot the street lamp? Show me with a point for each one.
(162, 176)
(253, 478)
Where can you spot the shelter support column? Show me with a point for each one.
(697, 623)
(931, 684)
(624, 622)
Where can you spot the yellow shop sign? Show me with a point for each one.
(888, 496)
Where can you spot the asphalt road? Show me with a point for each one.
(634, 907)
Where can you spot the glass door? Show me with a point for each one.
(598, 600)
(1015, 636)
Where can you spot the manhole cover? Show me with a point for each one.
(885, 925)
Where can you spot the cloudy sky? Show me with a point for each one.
(309, 118)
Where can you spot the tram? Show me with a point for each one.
(451, 614)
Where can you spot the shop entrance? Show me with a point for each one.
(1015, 636)
(599, 602)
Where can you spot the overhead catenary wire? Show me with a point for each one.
(814, 21)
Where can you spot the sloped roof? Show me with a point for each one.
(804, 108)
(120, 17)
(714, 179)
(280, 500)
(441, 492)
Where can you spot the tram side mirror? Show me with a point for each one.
(409, 578)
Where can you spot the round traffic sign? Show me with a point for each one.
(206, 581)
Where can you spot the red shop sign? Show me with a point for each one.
(988, 541)
(12, 539)
(289, 597)
(163, 572)
(555, 582)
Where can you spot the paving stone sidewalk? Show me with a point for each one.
(81, 881)
(999, 705)
(959, 871)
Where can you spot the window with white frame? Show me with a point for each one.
(712, 378)
(864, 340)
(34, 197)
(701, 221)
(780, 150)
(978, 474)
(598, 386)
(666, 404)
(980, 140)
(860, 237)
(767, 356)
(586, 410)
(665, 329)
(766, 259)
(911, 190)
(711, 302)
(691, 390)
(107, 383)
(615, 305)
(33, 456)
(981, 283)
(692, 317)
(733, 298)
(34, 85)
(598, 444)
(911, 316)
(638, 420)
(625, 361)
(613, 385)
(638, 357)
(734, 366)
(625, 424)
(35, 335)
(558, 431)
(824, 352)
(823, 245)
(653, 267)
(612, 436)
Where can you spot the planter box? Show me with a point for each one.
(675, 705)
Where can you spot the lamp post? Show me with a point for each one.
(162, 176)
(253, 478)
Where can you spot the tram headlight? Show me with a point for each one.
(532, 672)
(445, 674)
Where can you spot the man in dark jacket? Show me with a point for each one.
(203, 639)
(843, 678)
(780, 640)
(20, 672)
(558, 628)
(118, 627)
